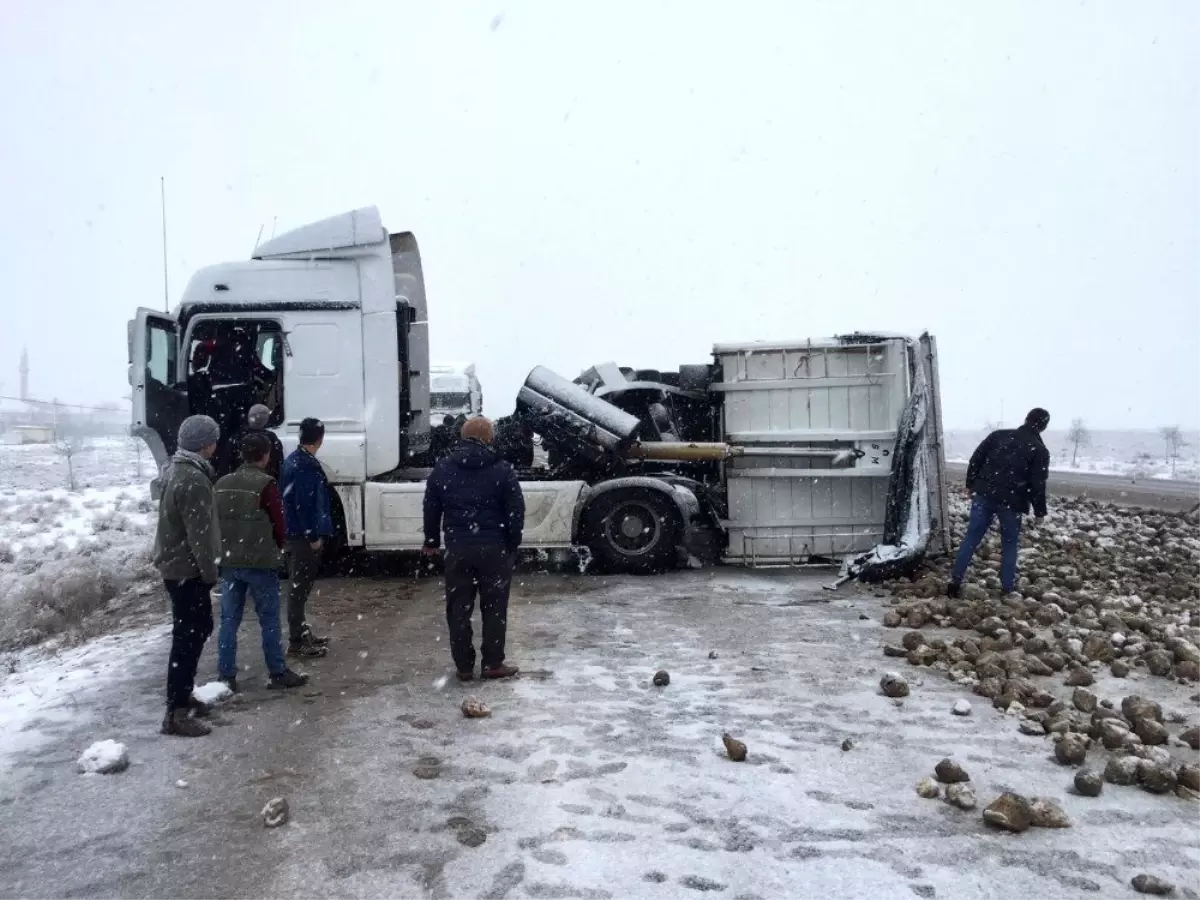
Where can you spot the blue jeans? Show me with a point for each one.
(983, 511)
(264, 585)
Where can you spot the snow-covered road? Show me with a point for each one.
(586, 781)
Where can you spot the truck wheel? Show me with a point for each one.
(633, 531)
(335, 551)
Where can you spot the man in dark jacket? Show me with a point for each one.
(309, 525)
(1006, 476)
(257, 419)
(186, 550)
(475, 496)
(250, 516)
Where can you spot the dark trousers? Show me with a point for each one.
(486, 568)
(303, 564)
(983, 511)
(191, 610)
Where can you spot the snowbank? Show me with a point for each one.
(104, 758)
(213, 692)
(67, 554)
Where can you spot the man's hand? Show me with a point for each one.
(317, 544)
(429, 552)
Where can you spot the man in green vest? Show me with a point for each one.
(250, 516)
(186, 554)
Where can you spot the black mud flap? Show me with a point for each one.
(910, 515)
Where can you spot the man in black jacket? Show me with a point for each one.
(257, 419)
(476, 496)
(1006, 476)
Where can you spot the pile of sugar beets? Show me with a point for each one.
(1103, 591)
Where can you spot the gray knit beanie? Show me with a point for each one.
(197, 432)
(258, 416)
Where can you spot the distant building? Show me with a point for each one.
(29, 434)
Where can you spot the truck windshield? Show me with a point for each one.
(455, 400)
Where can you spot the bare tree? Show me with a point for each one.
(1173, 441)
(136, 445)
(69, 444)
(1078, 436)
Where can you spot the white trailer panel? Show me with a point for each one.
(825, 395)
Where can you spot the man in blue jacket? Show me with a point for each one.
(475, 496)
(309, 526)
(1006, 476)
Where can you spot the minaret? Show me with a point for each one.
(24, 373)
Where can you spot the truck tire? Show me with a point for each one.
(633, 531)
(335, 552)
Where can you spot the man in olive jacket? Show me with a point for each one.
(186, 550)
(250, 516)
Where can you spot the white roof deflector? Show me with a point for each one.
(357, 228)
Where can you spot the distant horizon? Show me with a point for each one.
(9, 391)
(1056, 425)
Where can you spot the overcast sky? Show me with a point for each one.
(635, 181)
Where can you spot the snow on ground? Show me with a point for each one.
(1128, 454)
(65, 554)
(212, 692)
(46, 691)
(586, 781)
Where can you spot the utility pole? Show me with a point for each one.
(162, 186)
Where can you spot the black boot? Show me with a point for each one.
(953, 590)
(230, 682)
(200, 709)
(307, 634)
(287, 679)
(180, 724)
(305, 649)
(500, 671)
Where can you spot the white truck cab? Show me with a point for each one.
(327, 321)
(454, 391)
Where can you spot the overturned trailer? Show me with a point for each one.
(798, 453)
(768, 453)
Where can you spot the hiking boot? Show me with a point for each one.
(287, 679)
(230, 682)
(500, 671)
(465, 676)
(305, 649)
(306, 634)
(953, 590)
(178, 723)
(200, 709)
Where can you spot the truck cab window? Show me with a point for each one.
(268, 348)
(160, 355)
(233, 365)
(451, 401)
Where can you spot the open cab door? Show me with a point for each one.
(159, 407)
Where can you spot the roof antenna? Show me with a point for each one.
(274, 219)
(162, 187)
(258, 240)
